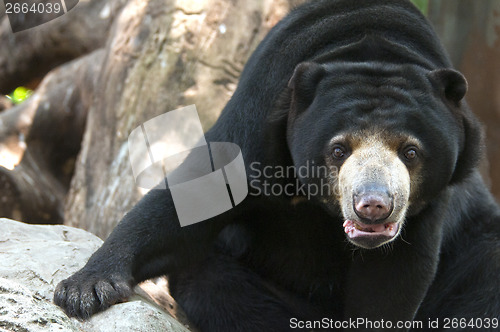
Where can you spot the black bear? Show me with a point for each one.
(366, 210)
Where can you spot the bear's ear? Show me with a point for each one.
(452, 86)
(450, 83)
(303, 84)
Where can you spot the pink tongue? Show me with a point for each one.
(377, 228)
(372, 228)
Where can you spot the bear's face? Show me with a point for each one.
(373, 187)
(392, 137)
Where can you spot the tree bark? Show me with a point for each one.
(42, 137)
(28, 55)
(470, 31)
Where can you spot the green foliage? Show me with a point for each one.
(20, 94)
(423, 5)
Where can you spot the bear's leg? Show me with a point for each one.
(148, 242)
(222, 295)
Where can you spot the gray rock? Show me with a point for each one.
(24, 310)
(34, 258)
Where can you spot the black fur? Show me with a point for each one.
(364, 64)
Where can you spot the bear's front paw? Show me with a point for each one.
(84, 294)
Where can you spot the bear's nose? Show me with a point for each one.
(373, 205)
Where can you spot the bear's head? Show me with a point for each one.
(392, 136)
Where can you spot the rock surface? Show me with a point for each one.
(34, 258)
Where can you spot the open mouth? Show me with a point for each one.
(355, 229)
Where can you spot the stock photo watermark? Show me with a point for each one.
(27, 14)
(321, 180)
(205, 179)
(367, 324)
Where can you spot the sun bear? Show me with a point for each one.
(354, 108)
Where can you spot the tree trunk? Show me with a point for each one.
(470, 31)
(27, 56)
(42, 137)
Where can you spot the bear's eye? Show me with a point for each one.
(338, 152)
(410, 154)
